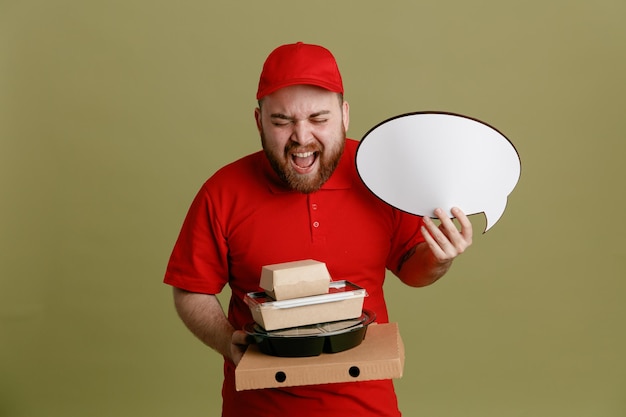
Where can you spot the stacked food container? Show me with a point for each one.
(302, 312)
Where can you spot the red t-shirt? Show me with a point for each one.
(244, 217)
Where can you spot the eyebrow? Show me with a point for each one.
(311, 116)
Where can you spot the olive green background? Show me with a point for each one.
(112, 114)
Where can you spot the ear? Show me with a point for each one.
(257, 119)
(346, 115)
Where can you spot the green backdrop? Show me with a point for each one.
(112, 114)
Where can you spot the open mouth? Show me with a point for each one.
(304, 161)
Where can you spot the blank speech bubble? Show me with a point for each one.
(418, 162)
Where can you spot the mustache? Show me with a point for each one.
(293, 147)
(296, 147)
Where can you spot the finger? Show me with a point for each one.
(466, 225)
(433, 245)
(437, 240)
(448, 237)
(448, 228)
(437, 232)
(240, 338)
(239, 344)
(447, 223)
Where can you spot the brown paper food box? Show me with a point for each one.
(379, 356)
(295, 279)
(305, 313)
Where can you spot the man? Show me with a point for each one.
(299, 198)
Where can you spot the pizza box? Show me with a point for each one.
(379, 356)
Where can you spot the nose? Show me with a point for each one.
(302, 133)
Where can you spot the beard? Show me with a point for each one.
(328, 159)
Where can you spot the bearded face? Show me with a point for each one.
(294, 164)
(303, 131)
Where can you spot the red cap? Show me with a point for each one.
(299, 63)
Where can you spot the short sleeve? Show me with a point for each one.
(198, 262)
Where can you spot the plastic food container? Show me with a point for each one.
(344, 300)
(314, 339)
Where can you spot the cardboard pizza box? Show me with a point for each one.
(379, 356)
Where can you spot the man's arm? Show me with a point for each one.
(204, 317)
(430, 260)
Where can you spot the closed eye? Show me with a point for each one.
(279, 119)
(319, 117)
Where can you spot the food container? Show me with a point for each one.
(288, 280)
(314, 339)
(343, 301)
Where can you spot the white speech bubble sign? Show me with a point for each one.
(420, 161)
